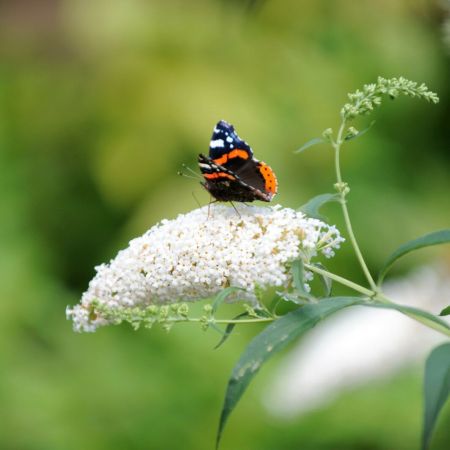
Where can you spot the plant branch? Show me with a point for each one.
(341, 280)
(222, 321)
(343, 191)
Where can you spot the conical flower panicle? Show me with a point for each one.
(198, 254)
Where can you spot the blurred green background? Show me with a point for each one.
(101, 102)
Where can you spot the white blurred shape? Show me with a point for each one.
(357, 345)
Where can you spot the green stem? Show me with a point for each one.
(342, 191)
(337, 147)
(341, 280)
(224, 321)
(263, 319)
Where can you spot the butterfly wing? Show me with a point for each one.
(225, 141)
(259, 176)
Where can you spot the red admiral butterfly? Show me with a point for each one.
(230, 171)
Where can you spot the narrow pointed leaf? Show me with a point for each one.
(229, 329)
(326, 282)
(222, 295)
(300, 295)
(436, 389)
(311, 208)
(273, 339)
(415, 313)
(294, 298)
(445, 311)
(360, 133)
(438, 237)
(310, 143)
(298, 278)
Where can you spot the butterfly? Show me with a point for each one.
(231, 173)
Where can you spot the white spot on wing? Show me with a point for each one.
(217, 143)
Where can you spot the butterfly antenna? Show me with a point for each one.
(182, 174)
(195, 174)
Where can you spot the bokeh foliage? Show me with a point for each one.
(100, 104)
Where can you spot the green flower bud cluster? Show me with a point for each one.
(366, 100)
(165, 315)
(168, 315)
(208, 316)
(327, 135)
(351, 133)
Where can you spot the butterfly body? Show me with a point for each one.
(231, 173)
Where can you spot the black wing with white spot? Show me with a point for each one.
(225, 139)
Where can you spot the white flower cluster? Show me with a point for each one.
(198, 254)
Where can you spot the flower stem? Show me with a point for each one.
(343, 190)
(341, 280)
(221, 321)
(229, 321)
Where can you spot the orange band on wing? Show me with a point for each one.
(233, 154)
(270, 180)
(211, 176)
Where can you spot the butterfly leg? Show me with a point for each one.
(234, 207)
(211, 201)
(196, 199)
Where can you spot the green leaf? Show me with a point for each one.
(311, 208)
(418, 314)
(436, 388)
(229, 328)
(273, 339)
(445, 311)
(222, 295)
(298, 278)
(360, 133)
(438, 237)
(310, 143)
(327, 283)
(300, 293)
(294, 298)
